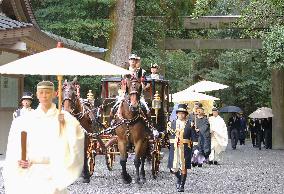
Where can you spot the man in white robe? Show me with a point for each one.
(55, 149)
(219, 136)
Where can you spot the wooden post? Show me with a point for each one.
(24, 145)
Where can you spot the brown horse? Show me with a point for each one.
(132, 129)
(85, 114)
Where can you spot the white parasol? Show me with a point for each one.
(61, 61)
(186, 96)
(261, 113)
(206, 86)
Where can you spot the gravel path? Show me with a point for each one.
(245, 170)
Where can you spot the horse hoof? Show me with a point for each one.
(126, 179)
(143, 180)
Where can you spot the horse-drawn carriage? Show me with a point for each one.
(104, 137)
(155, 93)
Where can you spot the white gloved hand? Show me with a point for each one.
(196, 152)
(156, 133)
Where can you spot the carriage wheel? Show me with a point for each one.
(155, 163)
(91, 157)
(110, 157)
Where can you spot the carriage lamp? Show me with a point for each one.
(156, 104)
(90, 97)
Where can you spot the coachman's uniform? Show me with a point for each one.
(180, 135)
(23, 110)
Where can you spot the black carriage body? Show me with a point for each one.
(110, 93)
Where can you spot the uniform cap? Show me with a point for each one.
(214, 109)
(155, 65)
(27, 95)
(182, 108)
(133, 56)
(45, 85)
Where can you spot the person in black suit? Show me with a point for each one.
(234, 124)
(243, 128)
(252, 130)
(267, 126)
(259, 132)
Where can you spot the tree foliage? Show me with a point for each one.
(273, 44)
(245, 71)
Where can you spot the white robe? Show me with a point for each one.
(57, 158)
(219, 134)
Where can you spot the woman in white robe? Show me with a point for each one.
(54, 149)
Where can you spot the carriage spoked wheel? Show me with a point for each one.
(110, 157)
(156, 158)
(91, 154)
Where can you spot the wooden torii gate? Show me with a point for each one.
(222, 22)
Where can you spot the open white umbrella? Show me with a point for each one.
(206, 86)
(61, 61)
(186, 96)
(261, 113)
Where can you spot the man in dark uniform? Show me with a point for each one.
(180, 134)
(234, 124)
(252, 131)
(26, 102)
(243, 127)
(195, 135)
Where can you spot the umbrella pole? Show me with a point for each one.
(59, 78)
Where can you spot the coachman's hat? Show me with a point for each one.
(45, 85)
(182, 108)
(27, 95)
(133, 56)
(155, 65)
(214, 109)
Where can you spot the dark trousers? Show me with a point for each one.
(268, 138)
(234, 138)
(253, 138)
(242, 137)
(259, 138)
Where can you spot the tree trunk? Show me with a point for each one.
(278, 109)
(120, 43)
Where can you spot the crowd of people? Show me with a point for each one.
(195, 140)
(260, 131)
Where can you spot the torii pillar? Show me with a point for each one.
(278, 109)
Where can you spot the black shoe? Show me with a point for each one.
(194, 164)
(183, 179)
(215, 162)
(210, 162)
(178, 175)
(199, 165)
